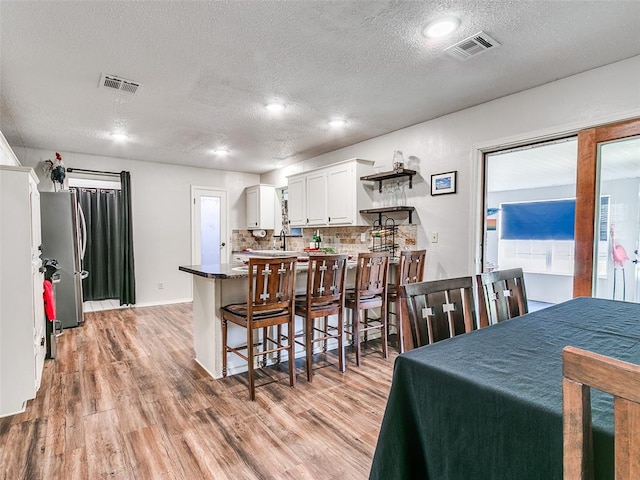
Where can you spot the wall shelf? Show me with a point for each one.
(379, 177)
(380, 211)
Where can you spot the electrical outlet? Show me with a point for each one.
(160, 286)
(434, 237)
(363, 237)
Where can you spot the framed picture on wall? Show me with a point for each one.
(443, 183)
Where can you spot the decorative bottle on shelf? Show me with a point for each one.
(398, 161)
(397, 195)
(403, 196)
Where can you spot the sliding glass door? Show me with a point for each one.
(529, 217)
(608, 212)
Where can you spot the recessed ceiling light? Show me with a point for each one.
(337, 123)
(441, 27)
(120, 137)
(274, 107)
(221, 151)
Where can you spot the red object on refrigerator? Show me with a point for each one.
(49, 301)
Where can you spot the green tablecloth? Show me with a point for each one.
(488, 404)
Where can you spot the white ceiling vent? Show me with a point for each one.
(118, 83)
(472, 46)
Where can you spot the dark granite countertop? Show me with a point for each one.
(216, 270)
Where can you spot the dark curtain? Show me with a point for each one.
(127, 292)
(101, 210)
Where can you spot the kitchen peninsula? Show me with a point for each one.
(221, 284)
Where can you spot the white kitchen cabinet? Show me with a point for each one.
(317, 198)
(22, 342)
(261, 207)
(332, 195)
(297, 202)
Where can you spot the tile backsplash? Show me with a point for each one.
(342, 239)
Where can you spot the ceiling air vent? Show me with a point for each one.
(472, 46)
(118, 83)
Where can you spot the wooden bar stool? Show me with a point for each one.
(324, 297)
(410, 270)
(370, 292)
(270, 302)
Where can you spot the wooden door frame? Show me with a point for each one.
(586, 184)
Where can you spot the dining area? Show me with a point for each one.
(511, 399)
(477, 388)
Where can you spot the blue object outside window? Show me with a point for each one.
(547, 220)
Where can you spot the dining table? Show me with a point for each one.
(488, 404)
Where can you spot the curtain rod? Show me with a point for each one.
(92, 172)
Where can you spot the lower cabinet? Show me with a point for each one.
(22, 327)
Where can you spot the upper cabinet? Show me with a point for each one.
(261, 207)
(331, 195)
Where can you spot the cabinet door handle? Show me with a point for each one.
(329, 220)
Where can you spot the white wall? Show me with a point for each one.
(452, 142)
(161, 211)
(7, 157)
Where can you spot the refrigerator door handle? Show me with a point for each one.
(83, 230)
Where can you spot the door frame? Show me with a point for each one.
(224, 215)
(586, 187)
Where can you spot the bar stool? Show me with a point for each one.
(410, 270)
(370, 292)
(324, 297)
(270, 302)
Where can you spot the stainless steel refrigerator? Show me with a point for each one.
(64, 239)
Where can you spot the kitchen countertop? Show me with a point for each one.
(215, 271)
(239, 270)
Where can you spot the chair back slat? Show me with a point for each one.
(271, 283)
(504, 295)
(371, 273)
(326, 278)
(581, 371)
(411, 267)
(437, 310)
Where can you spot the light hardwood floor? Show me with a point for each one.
(125, 399)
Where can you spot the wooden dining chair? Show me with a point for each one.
(270, 302)
(324, 297)
(410, 270)
(503, 296)
(581, 371)
(437, 310)
(370, 292)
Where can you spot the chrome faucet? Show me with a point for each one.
(283, 239)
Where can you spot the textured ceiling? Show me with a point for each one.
(208, 68)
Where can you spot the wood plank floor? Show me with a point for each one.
(125, 399)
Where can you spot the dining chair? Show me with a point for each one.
(437, 310)
(581, 371)
(410, 270)
(324, 297)
(270, 302)
(503, 296)
(370, 292)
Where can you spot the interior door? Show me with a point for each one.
(209, 238)
(608, 196)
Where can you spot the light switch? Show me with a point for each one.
(434, 237)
